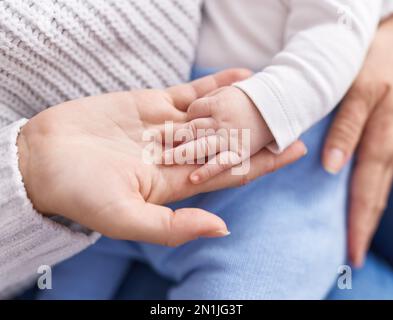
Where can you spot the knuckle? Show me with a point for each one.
(373, 208)
(362, 202)
(363, 89)
(346, 130)
(371, 154)
(351, 119)
(384, 130)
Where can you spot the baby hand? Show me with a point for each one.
(227, 129)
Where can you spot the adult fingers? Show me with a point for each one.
(141, 221)
(260, 164)
(183, 95)
(371, 184)
(372, 179)
(348, 126)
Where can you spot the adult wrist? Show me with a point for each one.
(24, 157)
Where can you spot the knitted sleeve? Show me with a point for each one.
(28, 240)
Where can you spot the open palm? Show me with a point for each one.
(84, 160)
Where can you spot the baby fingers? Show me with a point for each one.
(219, 164)
(175, 134)
(196, 151)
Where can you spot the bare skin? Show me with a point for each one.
(82, 160)
(223, 110)
(364, 128)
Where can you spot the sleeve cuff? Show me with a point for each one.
(271, 105)
(27, 238)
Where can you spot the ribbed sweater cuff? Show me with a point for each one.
(28, 240)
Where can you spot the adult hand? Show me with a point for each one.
(83, 160)
(365, 121)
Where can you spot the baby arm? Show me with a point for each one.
(227, 128)
(324, 46)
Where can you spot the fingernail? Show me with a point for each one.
(305, 151)
(335, 161)
(225, 233)
(195, 178)
(219, 233)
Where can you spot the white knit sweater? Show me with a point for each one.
(53, 51)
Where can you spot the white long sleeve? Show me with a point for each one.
(309, 51)
(27, 239)
(325, 44)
